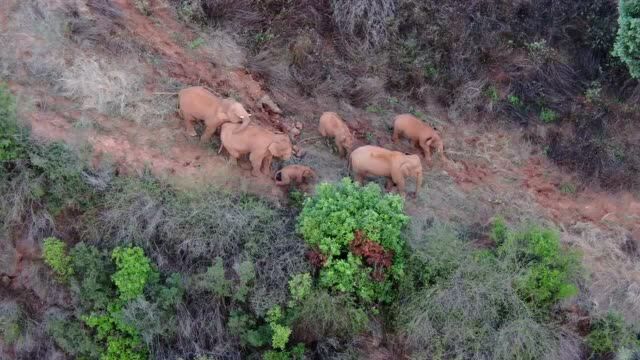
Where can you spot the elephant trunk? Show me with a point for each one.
(245, 123)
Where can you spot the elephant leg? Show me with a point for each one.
(266, 164)
(188, 124)
(396, 135)
(256, 163)
(398, 180)
(208, 134)
(388, 185)
(341, 149)
(427, 150)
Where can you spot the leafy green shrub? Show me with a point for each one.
(321, 315)
(610, 334)
(300, 287)
(121, 340)
(355, 229)
(546, 270)
(460, 302)
(72, 338)
(627, 45)
(547, 115)
(247, 275)
(55, 256)
(92, 268)
(133, 271)
(119, 321)
(10, 141)
(214, 280)
(10, 322)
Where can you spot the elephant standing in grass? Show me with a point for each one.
(197, 103)
(422, 136)
(372, 160)
(261, 144)
(331, 125)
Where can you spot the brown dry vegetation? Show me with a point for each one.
(99, 76)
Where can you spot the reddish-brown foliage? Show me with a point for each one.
(316, 258)
(373, 253)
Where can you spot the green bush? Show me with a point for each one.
(331, 221)
(300, 287)
(54, 252)
(460, 302)
(133, 271)
(546, 272)
(627, 45)
(610, 334)
(547, 115)
(321, 315)
(10, 322)
(120, 322)
(214, 280)
(10, 141)
(72, 338)
(92, 268)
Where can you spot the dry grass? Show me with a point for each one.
(222, 48)
(365, 20)
(112, 89)
(615, 274)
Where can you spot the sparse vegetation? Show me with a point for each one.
(610, 334)
(547, 115)
(104, 258)
(465, 302)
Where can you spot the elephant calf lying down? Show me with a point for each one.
(261, 144)
(372, 160)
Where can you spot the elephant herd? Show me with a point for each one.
(239, 137)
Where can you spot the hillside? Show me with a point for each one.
(123, 238)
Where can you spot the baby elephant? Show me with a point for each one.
(261, 144)
(422, 135)
(395, 165)
(331, 125)
(197, 103)
(294, 174)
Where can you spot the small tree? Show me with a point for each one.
(627, 45)
(356, 234)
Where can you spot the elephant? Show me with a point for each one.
(197, 103)
(261, 144)
(297, 174)
(394, 165)
(422, 135)
(331, 125)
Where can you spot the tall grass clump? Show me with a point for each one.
(467, 303)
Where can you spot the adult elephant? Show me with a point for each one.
(197, 103)
(261, 144)
(372, 160)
